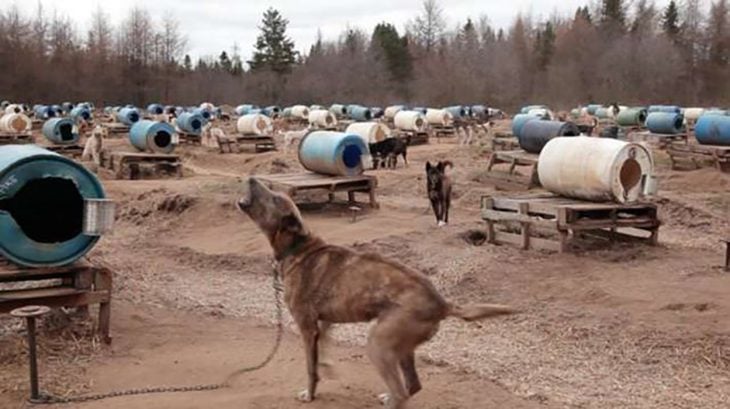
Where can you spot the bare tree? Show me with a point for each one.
(428, 27)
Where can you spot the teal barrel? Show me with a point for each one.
(479, 111)
(128, 116)
(271, 111)
(338, 110)
(457, 111)
(592, 108)
(332, 153)
(359, 113)
(602, 113)
(155, 109)
(631, 117)
(67, 107)
(529, 108)
(152, 136)
(286, 112)
(713, 130)
(42, 200)
(667, 109)
(666, 123)
(242, 110)
(519, 121)
(720, 112)
(60, 131)
(207, 115)
(191, 123)
(536, 134)
(81, 112)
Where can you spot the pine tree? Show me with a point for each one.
(388, 45)
(613, 16)
(545, 46)
(670, 21)
(236, 62)
(274, 50)
(224, 62)
(187, 63)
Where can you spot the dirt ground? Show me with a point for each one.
(619, 325)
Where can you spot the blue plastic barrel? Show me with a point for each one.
(720, 112)
(152, 136)
(479, 111)
(602, 113)
(242, 110)
(332, 153)
(665, 123)
(286, 112)
(81, 112)
(207, 115)
(128, 116)
(519, 121)
(528, 108)
(155, 109)
(338, 110)
(713, 130)
(60, 131)
(592, 108)
(668, 109)
(44, 112)
(42, 206)
(191, 123)
(271, 111)
(458, 111)
(536, 134)
(359, 113)
(67, 107)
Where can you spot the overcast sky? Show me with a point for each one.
(215, 25)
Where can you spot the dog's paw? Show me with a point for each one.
(384, 399)
(305, 396)
(442, 223)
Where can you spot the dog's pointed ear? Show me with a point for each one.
(441, 166)
(428, 165)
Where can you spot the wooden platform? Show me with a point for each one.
(694, 155)
(412, 138)
(504, 142)
(443, 131)
(292, 184)
(116, 127)
(131, 163)
(16, 138)
(510, 180)
(78, 285)
(549, 222)
(36, 124)
(69, 151)
(260, 143)
(658, 141)
(188, 138)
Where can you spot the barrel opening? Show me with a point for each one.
(133, 117)
(678, 122)
(642, 116)
(48, 210)
(368, 115)
(419, 123)
(196, 124)
(570, 131)
(630, 174)
(86, 115)
(162, 139)
(351, 156)
(66, 131)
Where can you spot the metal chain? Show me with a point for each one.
(278, 290)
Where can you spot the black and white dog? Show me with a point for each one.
(439, 190)
(385, 153)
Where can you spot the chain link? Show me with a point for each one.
(278, 290)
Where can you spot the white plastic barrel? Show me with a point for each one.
(410, 121)
(440, 117)
(300, 111)
(322, 119)
(392, 110)
(15, 123)
(255, 124)
(14, 109)
(598, 169)
(370, 132)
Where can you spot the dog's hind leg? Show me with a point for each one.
(447, 206)
(408, 367)
(310, 336)
(382, 350)
(324, 340)
(436, 206)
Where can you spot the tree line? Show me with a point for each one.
(612, 51)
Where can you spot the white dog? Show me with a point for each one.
(94, 145)
(294, 137)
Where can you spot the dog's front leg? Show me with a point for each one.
(310, 337)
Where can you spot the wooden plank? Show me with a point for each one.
(535, 242)
(499, 216)
(69, 300)
(33, 293)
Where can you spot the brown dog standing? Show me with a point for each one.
(439, 190)
(326, 284)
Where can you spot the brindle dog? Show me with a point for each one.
(439, 190)
(326, 284)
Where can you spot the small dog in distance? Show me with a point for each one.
(439, 190)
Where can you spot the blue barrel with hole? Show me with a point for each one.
(519, 121)
(666, 123)
(81, 112)
(536, 134)
(272, 111)
(67, 107)
(128, 116)
(191, 123)
(152, 136)
(242, 110)
(592, 108)
(713, 130)
(60, 131)
(359, 113)
(667, 109)
(479, 112)
(716, 112)
(207, 115)
(155, 109)
(332, 153)
(42, 200)
(338, 110)
(458, 111)
(44, 112)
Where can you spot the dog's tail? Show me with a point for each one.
(476, 312)
(448, 163)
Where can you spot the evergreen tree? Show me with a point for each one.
(388, 45)
(187, 63)
(545, 46)
(236, 62)
(274, 51)
(670, 21)
(613, 16)
(224, 62)
(584, 13)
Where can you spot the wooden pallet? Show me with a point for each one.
(36, 124)
(658, 141)
(116, 128)
(511, 180)
(681, 154)
(260, 143)
(443, 131)
(292, 184)
(78, 285)
(189, 138)
(412, 138)
(16, 138)
(70, 151)
(502, 142)
(548, 222)
(132, 162)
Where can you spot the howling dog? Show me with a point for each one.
(439, 190)
(326, 284)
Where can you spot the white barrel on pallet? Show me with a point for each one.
(370, 132)
(595, 168)
(14, 109)
(322, 118)
(410, 121)
(300, 111)
(255, 124)
(391, 111)
(440, 117)
(15, 123)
